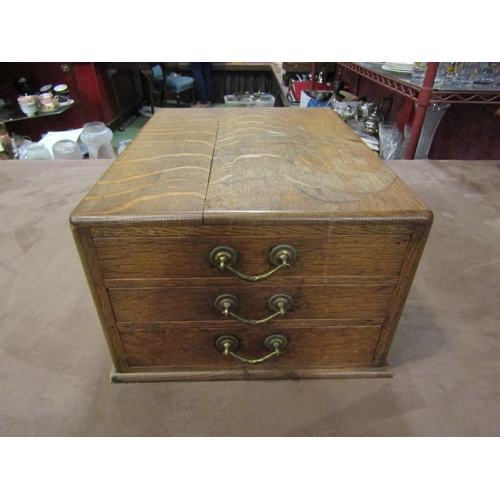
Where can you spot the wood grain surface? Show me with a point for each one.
(129, 258)
(298, 163)
(245, 166)
(195, 349)
(149, 305)
(163, 174)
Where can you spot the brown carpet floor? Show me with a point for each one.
(54, 363)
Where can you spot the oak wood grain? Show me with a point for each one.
(207, 166)
(196, 349)
(363, 227)
(158, 374)
(147, 305)
(162, 174)
(271, 165)
(251, 179)
(414, 254)
(95, 280)
(160, 257)
(230, 280)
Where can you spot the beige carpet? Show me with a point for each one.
(54, 363)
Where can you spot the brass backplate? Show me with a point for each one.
(282, 250)
(227, 301)
(230, 254)
(273, 339)
(227, 339)
(273, 302)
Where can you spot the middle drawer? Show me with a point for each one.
(150, 305)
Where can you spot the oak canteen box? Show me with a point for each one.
(249, 243)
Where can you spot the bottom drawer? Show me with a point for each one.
(176, 348)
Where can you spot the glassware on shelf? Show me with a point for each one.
(487, 73)
(418, 72)
(496, 73)
(465, 74)
(445, 75)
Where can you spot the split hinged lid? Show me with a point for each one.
(247, 166)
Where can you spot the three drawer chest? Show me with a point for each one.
(249, 243)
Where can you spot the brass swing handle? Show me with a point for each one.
(227, 304)
(228, 344)
(281, 256)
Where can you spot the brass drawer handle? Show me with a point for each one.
(228, 344)
(228, 303)
(281, 256)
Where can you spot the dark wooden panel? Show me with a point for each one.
(230, 82)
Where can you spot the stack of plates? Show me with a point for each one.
(398, 67)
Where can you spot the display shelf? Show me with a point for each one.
(466, 97)
(374, 72)
(9, 114)
(425, 93)
(403, 84)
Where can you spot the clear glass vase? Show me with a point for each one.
(435, 113)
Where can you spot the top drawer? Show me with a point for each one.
(189, 257)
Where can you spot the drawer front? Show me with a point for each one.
(150, 305)
(195, 348)
(188, 257)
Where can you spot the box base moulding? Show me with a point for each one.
(212, 375)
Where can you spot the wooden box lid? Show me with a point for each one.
(247, 166)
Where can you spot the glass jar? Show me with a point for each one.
(97, 137)
(37, 152)
(66, 150)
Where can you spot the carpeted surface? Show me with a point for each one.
(54, 363)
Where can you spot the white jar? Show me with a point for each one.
(97, 137)
(37, 152)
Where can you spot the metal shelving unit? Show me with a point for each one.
(423, 94)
